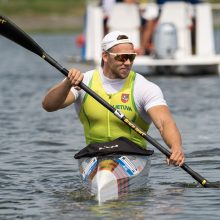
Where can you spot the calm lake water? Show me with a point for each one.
(38, 174)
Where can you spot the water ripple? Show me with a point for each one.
(39, 177)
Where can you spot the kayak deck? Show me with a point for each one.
(111, 176)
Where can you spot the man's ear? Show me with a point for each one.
(104, 56)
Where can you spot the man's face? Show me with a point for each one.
(119, 61)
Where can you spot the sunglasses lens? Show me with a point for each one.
(125, 57)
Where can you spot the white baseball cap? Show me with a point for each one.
(111, 39)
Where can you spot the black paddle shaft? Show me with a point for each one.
(156, 144)
(11, 31)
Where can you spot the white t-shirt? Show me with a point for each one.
(146, 94)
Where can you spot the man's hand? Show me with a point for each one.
(177, 157)
(75, 77)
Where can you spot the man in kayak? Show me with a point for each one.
(139, 99)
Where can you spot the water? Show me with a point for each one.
(38, 174)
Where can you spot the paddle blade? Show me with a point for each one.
(213, 184)
(11, 31)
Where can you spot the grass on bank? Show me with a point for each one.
(42, 7)
(45, 15)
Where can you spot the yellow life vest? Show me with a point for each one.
(101, 125)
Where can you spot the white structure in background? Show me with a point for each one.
(126, 18)
(172, 38)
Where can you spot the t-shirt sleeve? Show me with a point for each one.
(154, 99)
(75, 93)
(148, 94)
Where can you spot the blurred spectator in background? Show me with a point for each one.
(149, 21)
(152, 15)
(160, 2)
(107, 6)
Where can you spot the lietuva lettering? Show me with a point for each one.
(123, 107)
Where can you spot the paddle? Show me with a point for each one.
(14, 33)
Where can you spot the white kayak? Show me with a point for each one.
(111, 175)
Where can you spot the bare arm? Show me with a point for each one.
(164, 122)
(60, 95)
(147, 35)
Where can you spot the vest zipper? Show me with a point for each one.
(108, 116)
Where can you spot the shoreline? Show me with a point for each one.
(48, 23)
(54, 23)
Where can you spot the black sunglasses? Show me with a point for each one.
(122, 57)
